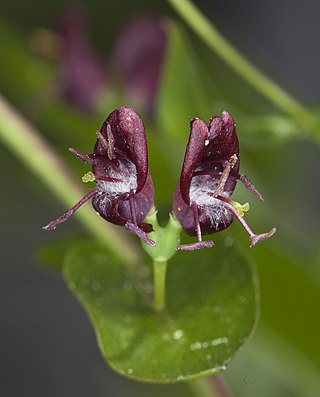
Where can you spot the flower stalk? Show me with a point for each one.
(159, 284)
(167, 239)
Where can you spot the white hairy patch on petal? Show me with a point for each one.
(210, 206)
(126, 173)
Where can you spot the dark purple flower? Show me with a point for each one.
(124, 190)
(138, 57)
(209, 175)
(82, 74)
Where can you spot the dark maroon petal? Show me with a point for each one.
(184, 214)
(129, 139)
(198, 136)
(118, 211)
(208, 149)
(223, 140)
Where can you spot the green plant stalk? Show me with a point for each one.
(31, 149)
(201, 388)
(273, 92)
(159, 284)
(167, 239)
(212, 386)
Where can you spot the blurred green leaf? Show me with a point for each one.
(182, 94)
(162, 173)
(22, 74)
(289, 299)
(267, 130)
(211, 311)
(29, 82)
(190, 90)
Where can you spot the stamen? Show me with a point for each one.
(200, 244)
(241, 208)
(88, 177)
(53, 224)
(110, 136)
(102, 140)
(225, 175)
(254, 238)
(196, 220)
(195, 246)
(86, 158)
(250, 186)
(139, 233)
(108, 143)
(107, 178)
(133, 209)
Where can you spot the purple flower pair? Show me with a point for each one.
(124, 192)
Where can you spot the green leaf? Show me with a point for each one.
(211, 311)
(23, 75)
(196, 85)
(182, 93)
(267, 130)
(295, 293)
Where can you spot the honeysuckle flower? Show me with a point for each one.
(208, 178)
(138, 57)
(82, 77)
(124, 191)
(136, 62)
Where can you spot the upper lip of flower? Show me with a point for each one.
(209, 147)
(129, 142)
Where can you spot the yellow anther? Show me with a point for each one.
(88, 177)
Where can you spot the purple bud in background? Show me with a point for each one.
(208, 178)
(82, 74)
(138, 58)
(124, 191)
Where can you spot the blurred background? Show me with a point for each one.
(141, 54)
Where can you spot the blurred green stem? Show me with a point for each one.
(201, 388)
(29, 146)
(213, 386)
(211, 36)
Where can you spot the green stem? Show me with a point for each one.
(213, 386)
(159, 283)
(28, 145)
(201, 388)
(211, 36)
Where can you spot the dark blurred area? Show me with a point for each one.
(47, 345)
